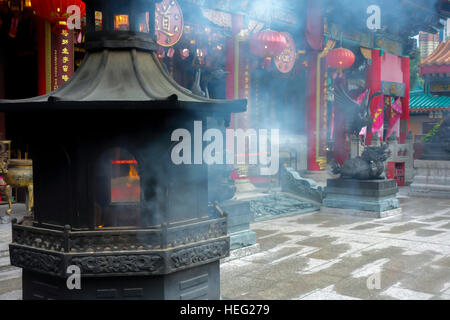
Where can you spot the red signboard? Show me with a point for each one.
(168, 23)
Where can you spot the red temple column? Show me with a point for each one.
(373, 79)
(404, 119)
(43, 41)
(2, 94)
(311, 105)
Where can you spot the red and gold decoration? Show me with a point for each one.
(285, 61)
(169, 23)
(340, 58)
(62, 57)
(267, 43)
(56, 52)
(55, 11)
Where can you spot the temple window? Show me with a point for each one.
(121, 22)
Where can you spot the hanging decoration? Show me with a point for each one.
(14, 27)
(169, 23)
(184, 53)
(170, 52)
(285, 61)
(55, 11)
(340, 59)
(394, 121)
(200, 56)
(267, 43)
(161, 52)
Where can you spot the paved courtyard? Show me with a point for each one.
(324, 256)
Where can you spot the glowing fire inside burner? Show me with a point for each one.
(125, 181)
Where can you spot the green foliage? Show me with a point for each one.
(430, 135)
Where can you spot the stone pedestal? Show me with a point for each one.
(239, 219)
(432, 179)
(365, 198)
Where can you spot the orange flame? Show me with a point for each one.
(133, 172)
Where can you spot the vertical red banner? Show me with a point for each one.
(323, 111)
(62, 57)
(404, 120)
(244, 84)
(374, 84)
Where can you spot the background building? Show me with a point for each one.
(428, 42)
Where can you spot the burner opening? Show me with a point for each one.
(118, 190)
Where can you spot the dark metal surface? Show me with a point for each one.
(370, 165)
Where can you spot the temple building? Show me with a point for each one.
(279, 55)
(435, 70)
(426, 111)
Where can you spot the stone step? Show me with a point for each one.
(11, 295)
(4, 253)
(11, 285)
(4, 246)
(4, 262)
(9, 273)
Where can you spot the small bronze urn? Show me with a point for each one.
(109, 202)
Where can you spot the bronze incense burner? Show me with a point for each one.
(108, 199)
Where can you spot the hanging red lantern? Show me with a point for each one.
(267, 43)
(340, 58)
(55, 11)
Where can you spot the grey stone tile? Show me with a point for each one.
(429, 279)
(12, 295)
(427, 232)
(405, 227)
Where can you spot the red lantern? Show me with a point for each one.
(267, 43)
(340, 58)
(55, 11)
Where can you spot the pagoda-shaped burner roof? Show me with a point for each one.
(121, 79)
